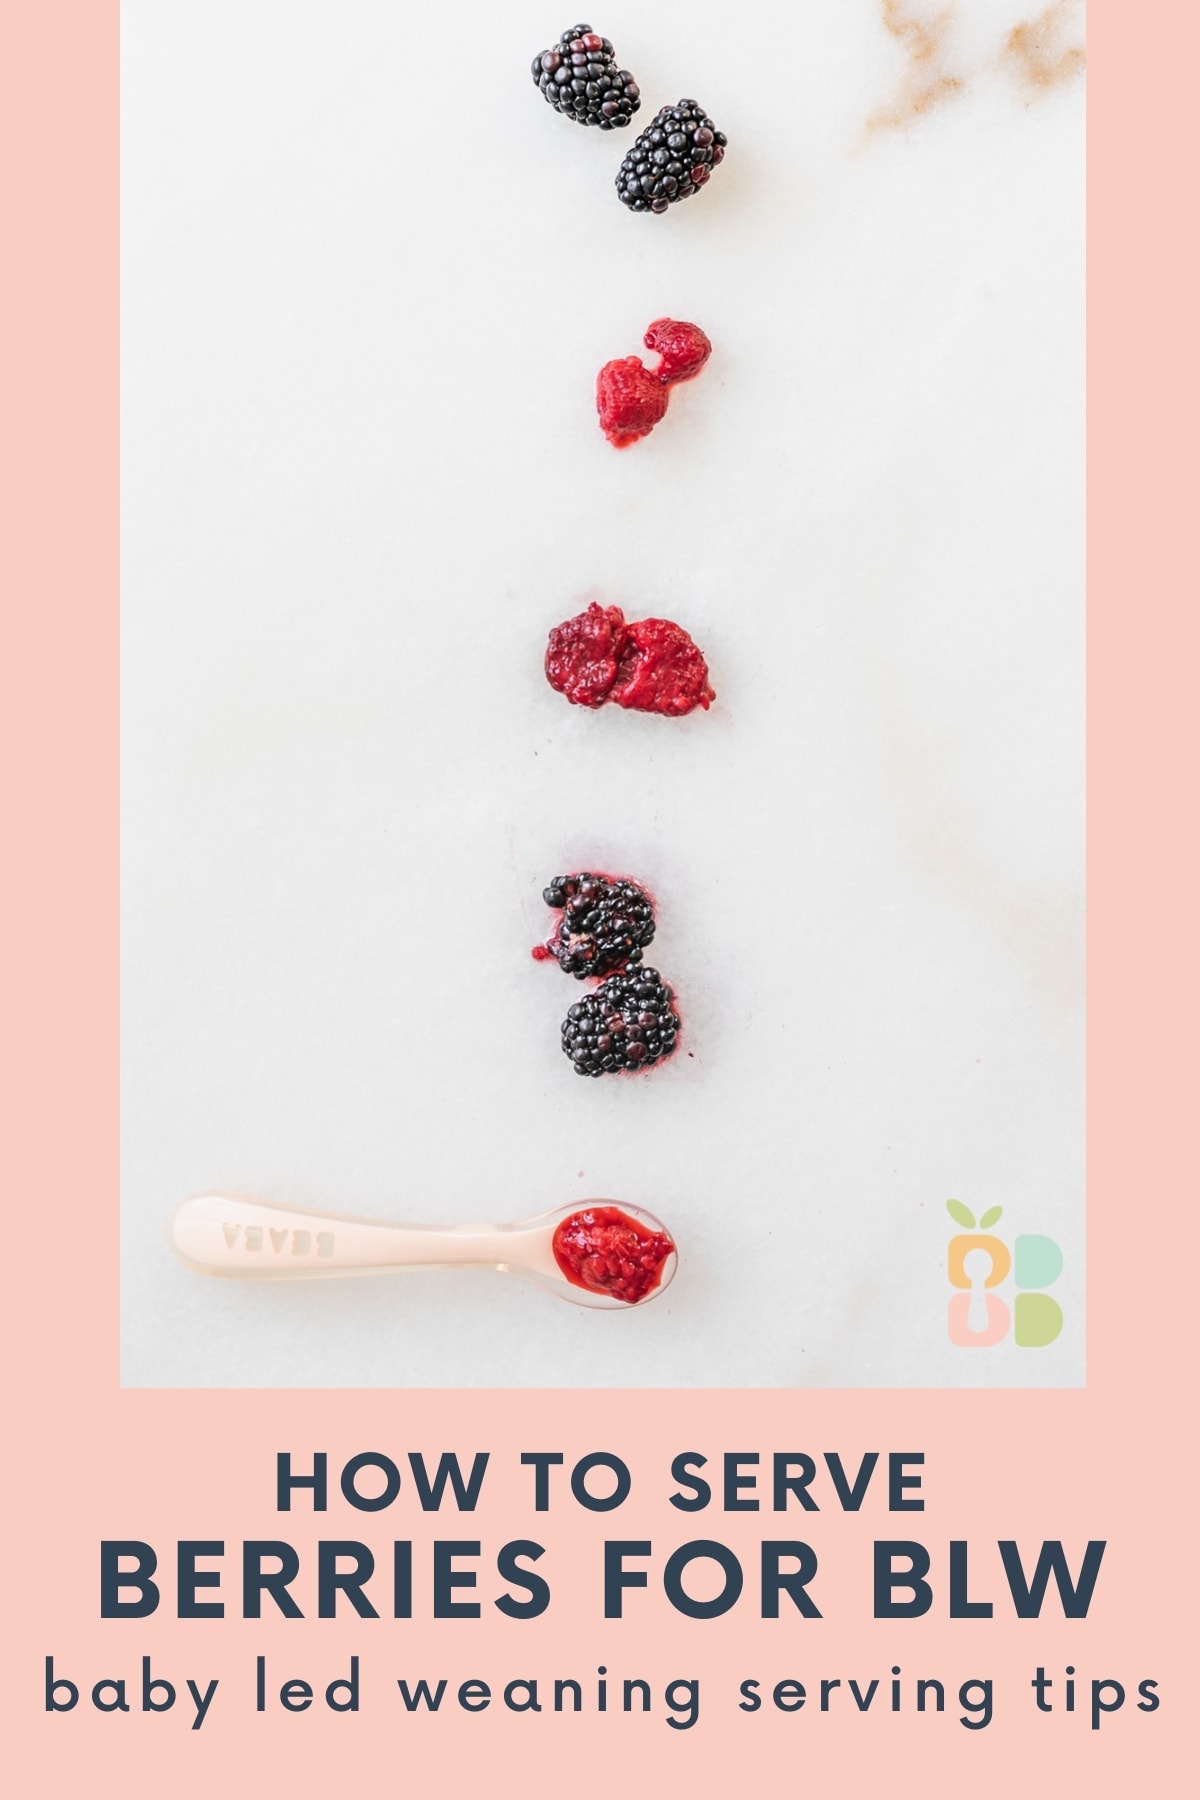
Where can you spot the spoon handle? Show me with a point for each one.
(220, 1234)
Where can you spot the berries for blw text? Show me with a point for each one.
(672, 159)
(630, 398)
(605, 924)
(629, 1022)
(650, 665)
(581, 80)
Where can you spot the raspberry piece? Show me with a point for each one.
(661, 671)
(603, 1249)
(630, 401)
(583, 654)
(684, 349)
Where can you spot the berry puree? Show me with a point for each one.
(630, 398)
(650, 665)
(604, 1250)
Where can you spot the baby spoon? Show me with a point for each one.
(596, 1254)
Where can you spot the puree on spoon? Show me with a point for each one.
(601, 1248)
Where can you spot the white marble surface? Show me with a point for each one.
(369, 277)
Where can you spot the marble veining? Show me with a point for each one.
(1039, 50)
(1041, 53)
(924, 38)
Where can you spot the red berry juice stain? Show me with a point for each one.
(605, 1251)
(632, 399)
(649, 665)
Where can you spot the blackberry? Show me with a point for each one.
(605, 924)
(670, 159)
(627, 1023)
(581, 80)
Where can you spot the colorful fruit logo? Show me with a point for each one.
(978, 1262)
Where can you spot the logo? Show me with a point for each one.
(978, 1261)
(301, 1241)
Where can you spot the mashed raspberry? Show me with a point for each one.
(651, 665)
(604, 1250)
(661, 671)
(582, 655)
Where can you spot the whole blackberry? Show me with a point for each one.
(605, 924)
(627, 1023)
(581, 80)
(671, 159)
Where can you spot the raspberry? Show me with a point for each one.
(671, 160)
(605, 924)
(630, 401)
(583, 654)
(581, 80)
(627, 1023)
(630, 398)
(603, 1249)
(684, 349)
(661, 671)
(650, 666)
